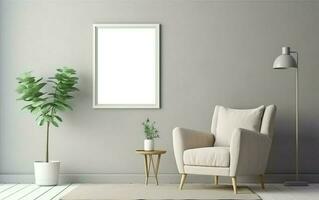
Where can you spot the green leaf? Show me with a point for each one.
(65, 105)
(38, 94)
(28, 79)
(54, 123)
(58, 118)
(27, 107)
(68, 97)
(46, 105)
(41, 122)
(35, 110)
(40, 79)
(20, 89)
(60, 108)
(69, 70)
(51, 81)
(74, 89)
(41, 85)
(27, 98)
(38, 117)
(37, 103)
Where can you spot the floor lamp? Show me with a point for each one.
(287, 61)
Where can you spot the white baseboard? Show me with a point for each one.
(163, 178)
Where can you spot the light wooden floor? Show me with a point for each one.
(33, 192)
(281, 192)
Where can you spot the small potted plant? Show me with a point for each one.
(151, 133)
(45, 106)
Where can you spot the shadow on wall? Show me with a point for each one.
(282, 155)
(309, 148)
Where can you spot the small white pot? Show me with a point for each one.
(148, 145)
(46, 173)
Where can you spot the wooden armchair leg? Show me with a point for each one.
(216, 180)
(234, 182)
(182, 181)
(262, 182)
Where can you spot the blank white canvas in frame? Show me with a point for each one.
(126, 66)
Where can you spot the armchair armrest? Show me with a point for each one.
(184, 139)
(249, 152)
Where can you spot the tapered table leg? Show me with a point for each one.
(146, 169)
(157, 167)
(150, 160)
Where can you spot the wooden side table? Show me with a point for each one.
(149, 160)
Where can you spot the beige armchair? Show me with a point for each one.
(238, 145)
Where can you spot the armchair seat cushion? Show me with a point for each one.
(207, 156)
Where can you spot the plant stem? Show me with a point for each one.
(47, 146)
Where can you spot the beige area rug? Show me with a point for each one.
(168, 191)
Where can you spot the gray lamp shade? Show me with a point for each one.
(285, 60)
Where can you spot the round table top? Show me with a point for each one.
(152, 152)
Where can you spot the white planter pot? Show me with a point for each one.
(46, 173)
(148, 145)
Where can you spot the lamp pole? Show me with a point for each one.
(297, 182)
(297, 117)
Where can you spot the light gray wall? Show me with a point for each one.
(213, 52)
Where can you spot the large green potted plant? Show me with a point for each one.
(45, 100)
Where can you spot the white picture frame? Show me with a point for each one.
(126, 66)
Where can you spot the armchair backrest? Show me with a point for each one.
(267, 121)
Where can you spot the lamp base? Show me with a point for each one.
(296, 183)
